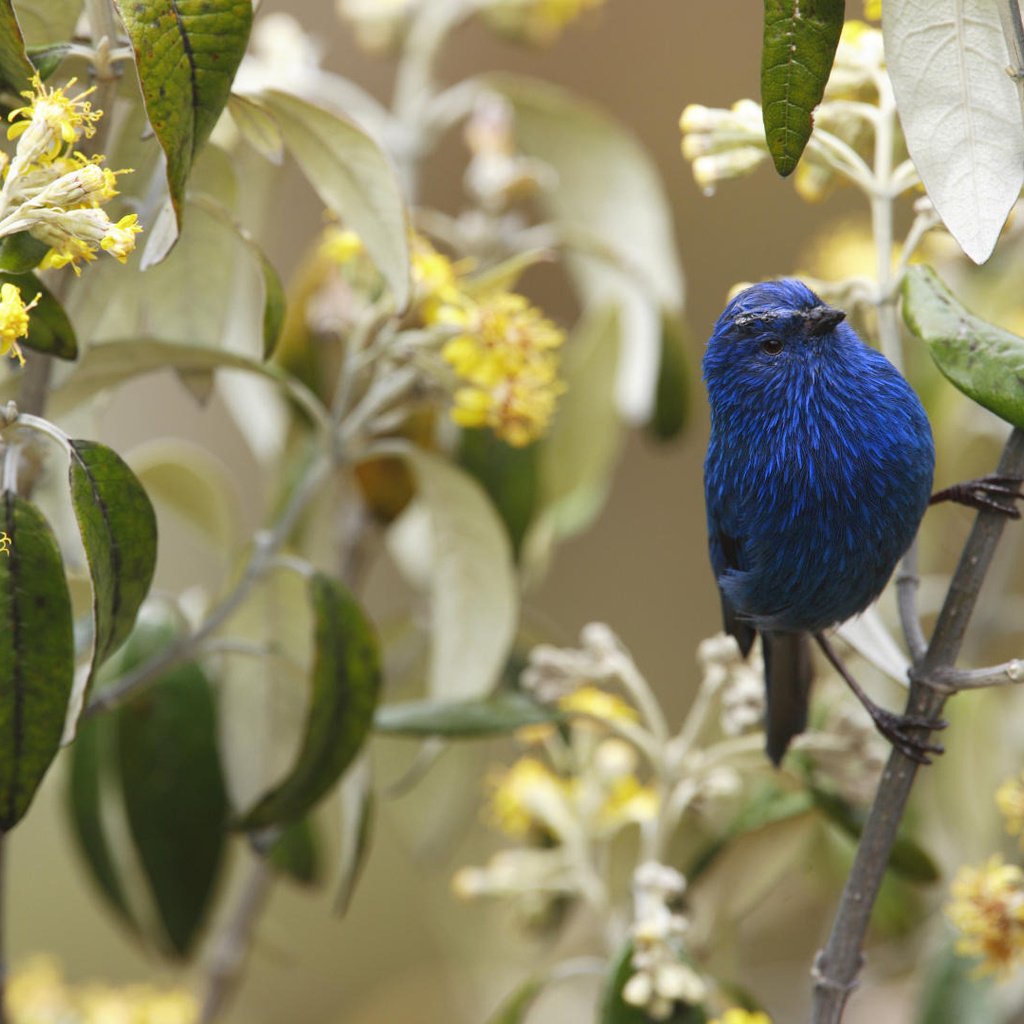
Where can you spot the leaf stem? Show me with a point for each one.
(838, 965)
(228, 955)
(3, 921)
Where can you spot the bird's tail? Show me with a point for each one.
(787, 674)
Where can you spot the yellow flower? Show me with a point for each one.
(595, 703)
(51, 121)
(1010, 801)
(5, 543)
(737, 1016)
(504, 355)
(629, 802)
(526, 796)
(340, 246)
(873, 10)
(13, 321)
(537, 21)
(73, 236)
(988, 909)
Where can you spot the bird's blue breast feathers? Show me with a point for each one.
(819, 465)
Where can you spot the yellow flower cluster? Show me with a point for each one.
(1010, 801)
(988, 909)
(503, 350)
(37, 994)
(536, 21)
(737, 1016)
(13, 320)
(55, 192)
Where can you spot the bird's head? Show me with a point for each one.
(770, 327)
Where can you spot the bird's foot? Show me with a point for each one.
(992, 493)
(901, 732)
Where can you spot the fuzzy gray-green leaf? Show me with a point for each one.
(36, 655)
(800, 40)
(983, 361)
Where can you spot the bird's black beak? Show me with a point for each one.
(821, 319)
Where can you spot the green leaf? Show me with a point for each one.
(36, 655)
(274, 304)
(954, 994)
(345, 684)
(15, 68)
(174, 794)
(769, 806)
(353, 177)
(49, 329)
(46, 59)
(48, 21)
(983, 361)
(186, 54)
(615, 1010)
(800, 40)
(118, 528)
(296, 853)
(510, 476)
(907, 858)
(84, 808)
(671, 399)
(454, 719)
(473, 590)
(518, 1004)
(21, 252)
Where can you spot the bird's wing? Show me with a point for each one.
(726, 555)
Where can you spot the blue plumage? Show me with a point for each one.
(818, 472)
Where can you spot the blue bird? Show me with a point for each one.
(818, 473)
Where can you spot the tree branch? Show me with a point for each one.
(838, 965)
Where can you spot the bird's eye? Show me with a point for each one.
(773, 346)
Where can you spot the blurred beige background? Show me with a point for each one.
(407, 951)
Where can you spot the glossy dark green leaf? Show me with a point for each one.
(16, 69)
(186, 54)
(296, 853)
(615, 1010)
(454, 719)
(672, 395)
(49, 329)
(907, 859)
(800, 40)
(88, 763)
(118, 528)
(954, 994)
(768, 806)
(345, 685)
(21, 252)
(983, 361)
(510, 476)
(174, 794)
(36, 655)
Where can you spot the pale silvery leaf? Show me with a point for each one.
(610, 200)
(473, 599)
(868, 635)
(960, 112)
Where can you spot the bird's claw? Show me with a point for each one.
(898, 730)
(992, 493)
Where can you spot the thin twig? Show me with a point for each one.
(1007, 674)
(228, 956)
(838, 965)
(3, 945)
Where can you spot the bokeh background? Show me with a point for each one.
(408, 951)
